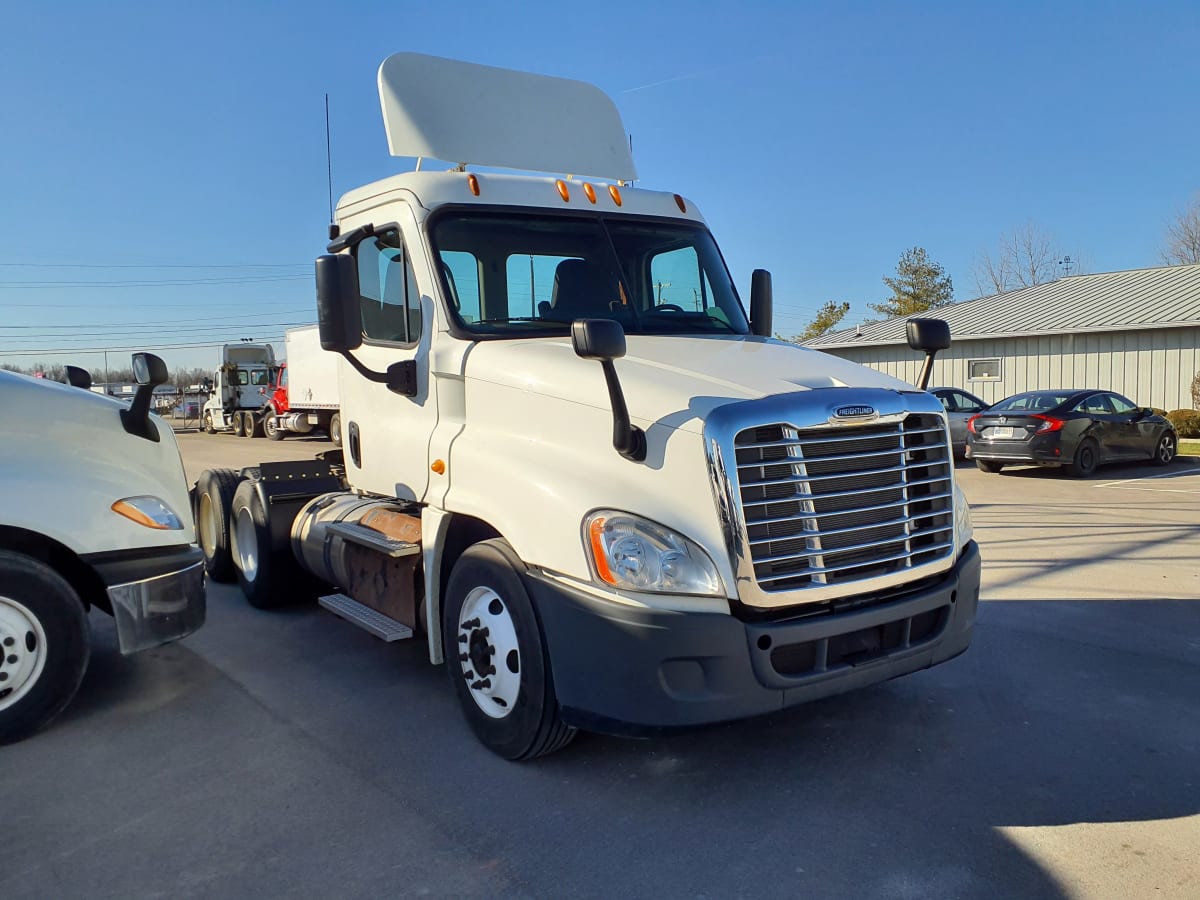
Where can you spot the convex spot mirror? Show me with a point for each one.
(149, 369)
(928, 334)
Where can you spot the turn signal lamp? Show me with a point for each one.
(589, 192)
(615, 193)
(473, 184)
(679, 202)
(562, 190)
(439, 467)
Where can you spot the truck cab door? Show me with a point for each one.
(385, 435)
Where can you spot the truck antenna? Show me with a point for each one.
(328, 159)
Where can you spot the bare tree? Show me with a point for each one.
(1027, 256)
(1182, 244)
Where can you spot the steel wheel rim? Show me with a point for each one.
(269, 424)
(245, 543)
(487, 639)
(208, 526)
(23, 649)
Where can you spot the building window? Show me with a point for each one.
(983, 369)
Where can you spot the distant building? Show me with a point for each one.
(1135, 332)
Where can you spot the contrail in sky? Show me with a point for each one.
(697, 74)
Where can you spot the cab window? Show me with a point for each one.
(389, 298)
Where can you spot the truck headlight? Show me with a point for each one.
(639, 555)
(148, 511)
(964, 530)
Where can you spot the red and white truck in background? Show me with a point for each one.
(304, 394)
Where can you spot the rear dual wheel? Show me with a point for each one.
(214, 499)
(269, 578)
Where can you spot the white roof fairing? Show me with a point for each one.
(463, 112)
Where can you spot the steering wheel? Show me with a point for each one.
(667, 307)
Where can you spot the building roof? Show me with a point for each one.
(1162, 297)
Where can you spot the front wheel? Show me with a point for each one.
(335, 429)
(1085, 461)
(986, 465)
(495, 656)
(208, 423)
(1166, 449)
(44, 645)
(271, 426)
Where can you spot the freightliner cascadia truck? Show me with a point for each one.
(602, 493)
(96, 514)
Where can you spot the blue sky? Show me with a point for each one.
(176, 152)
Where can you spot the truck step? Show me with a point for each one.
(364, 617)
(367, 537)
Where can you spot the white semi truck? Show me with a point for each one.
(304, 395)
(96, 513)
(603, 494)
(239, 390)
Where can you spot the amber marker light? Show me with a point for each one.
(562, 190)
(594, 533)
(473, 184)
(131, 510)
(439, 467)
(589, 192)
(679, 202)
(615, 194)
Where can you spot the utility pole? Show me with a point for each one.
(659, 285)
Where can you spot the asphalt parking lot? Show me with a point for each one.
(287, 753)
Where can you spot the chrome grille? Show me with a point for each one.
(835, 505)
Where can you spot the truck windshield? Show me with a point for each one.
(520, 275)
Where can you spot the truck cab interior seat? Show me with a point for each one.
(581, 290)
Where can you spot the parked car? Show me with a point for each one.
(960, 406)
(1077, 429)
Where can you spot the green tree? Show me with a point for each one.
(826, 319)
(920, 284)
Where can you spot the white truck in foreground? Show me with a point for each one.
(304, 394)
(96, 513)
(607, 498)
(239, 390)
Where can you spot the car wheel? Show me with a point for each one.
(496, 658)
(986, 465)
(44, 645)
(1085, 460)
(335, 430)
(208, 423)
(214, 498)
(1166, 449)
(271, 427)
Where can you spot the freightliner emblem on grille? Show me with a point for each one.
(854, 412)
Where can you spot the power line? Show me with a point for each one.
(175, 282)
(130, 347)
(27, 265)
(91, 305)
(153, 332)
(149, 323)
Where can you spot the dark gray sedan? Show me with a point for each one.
(1075, 429)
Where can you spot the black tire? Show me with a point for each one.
(251, 425)
(214, 498)
(269, 578)
(237, 424)
(486, 583)
(39, 672)
(1085, 461)
(271, 427)
(986, 465)
(335, 429)
(1165, 450)
(208, 423)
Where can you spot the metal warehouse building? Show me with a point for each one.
(1136, 333)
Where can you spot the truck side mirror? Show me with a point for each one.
(339, 317)
(604, 340)
(149, 371)
(80, 378)
(930, 335)
(760, 303)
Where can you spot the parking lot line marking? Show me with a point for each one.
(1147, 478)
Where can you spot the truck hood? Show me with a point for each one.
(663, 377)
(65, 458)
